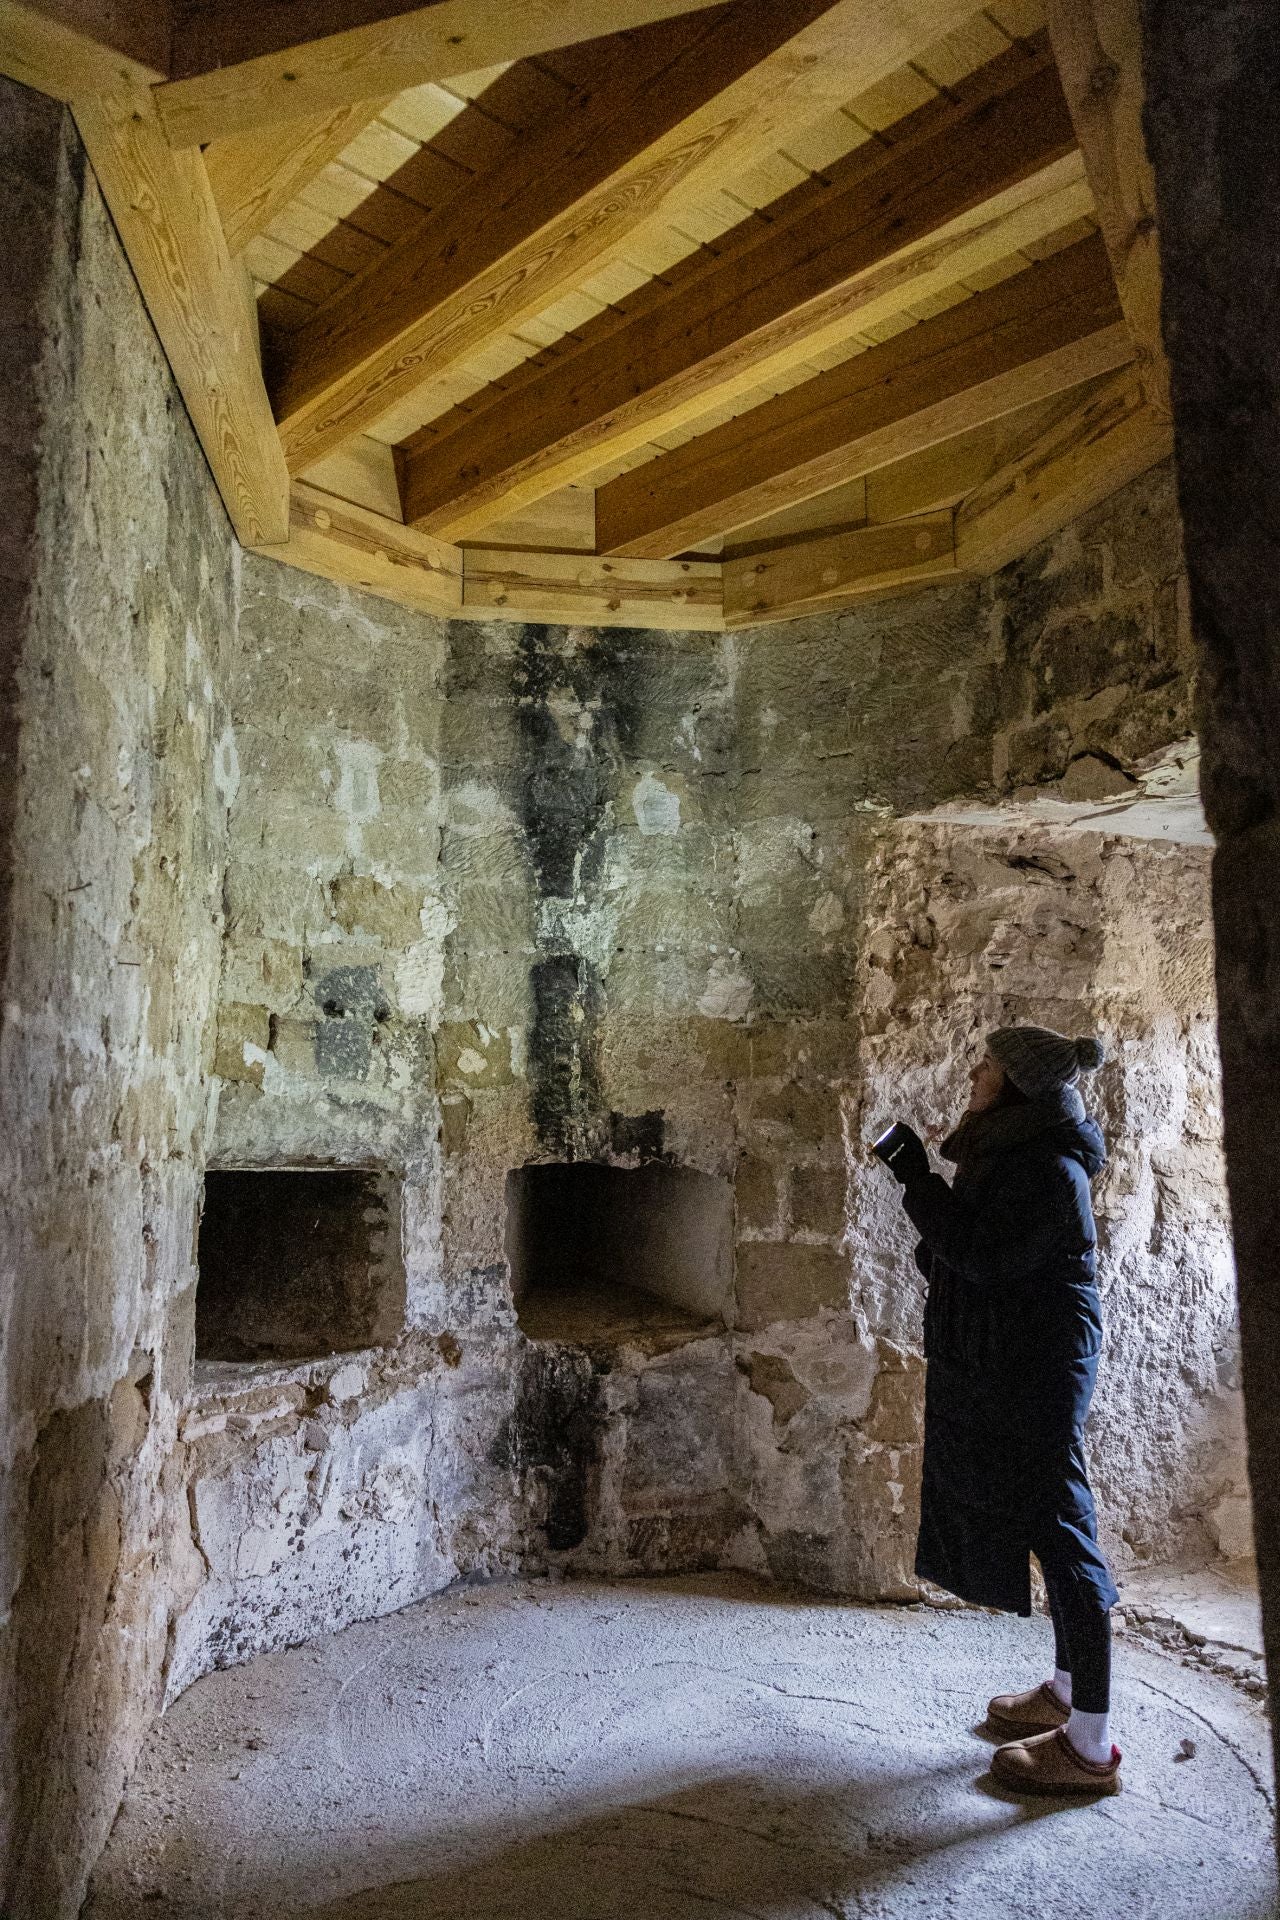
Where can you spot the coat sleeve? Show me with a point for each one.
(1028, 1215)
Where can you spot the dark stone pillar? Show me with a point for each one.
(1213, 130)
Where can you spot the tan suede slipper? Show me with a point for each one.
(1048, 1763)
(1038, 1710)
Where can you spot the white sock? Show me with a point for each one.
(1090, 1735)
(1061, 1685)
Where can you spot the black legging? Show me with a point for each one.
(1082, 1641)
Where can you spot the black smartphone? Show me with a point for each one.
(891, 1142)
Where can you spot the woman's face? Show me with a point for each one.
(985, 1083)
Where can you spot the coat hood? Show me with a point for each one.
(1058, 1117)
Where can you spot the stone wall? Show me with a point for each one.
(121, 770)
(501, 894)
(328, 1492)
(1213, 128)
(977, 927)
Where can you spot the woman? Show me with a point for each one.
(1012, 1334)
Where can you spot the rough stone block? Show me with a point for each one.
(771, 1376)
(724, 1048)
(362, 904)
(798, 1110)
(479, 734)
(242, 1030)
(262, 972)
(293, 1042)
(406, 843)
(818, 1200)
(755, 1193)
(492, 987)
(795, 983)
(896, 1417)
(495, 917)
(778, 1281)
(471, 1055)
(412, 784)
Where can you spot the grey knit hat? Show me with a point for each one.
(1039, 1061)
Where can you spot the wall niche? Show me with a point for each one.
(604, 1253)
(296, 1263)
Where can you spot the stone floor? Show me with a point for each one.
(1211, 1615)
(670, 1749)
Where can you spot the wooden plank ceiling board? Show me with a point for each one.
(1033, 335)
(282, 60)
(1098, 47)
(641, 134)
(198, 301)
(921, 212)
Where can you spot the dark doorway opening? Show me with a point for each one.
(296, 1263)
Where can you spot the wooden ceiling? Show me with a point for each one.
(634, 312)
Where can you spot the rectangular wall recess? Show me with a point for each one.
(296, 1263)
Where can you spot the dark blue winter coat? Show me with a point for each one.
(1012, 1335)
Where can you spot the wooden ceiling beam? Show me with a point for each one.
(1098, 48)
(243, 67)
(255, 175)
(361, 549)
(1062, 470)
(198, 300)
(666, 117)
(1042, 331)
(1107, 439)
(1114, 435)
(807, 576)
(358, 548)
(969, 181)
(676, 595)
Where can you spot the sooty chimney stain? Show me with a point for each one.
(578, 711)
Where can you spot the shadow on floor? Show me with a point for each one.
(737, 1846)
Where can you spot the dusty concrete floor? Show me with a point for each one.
(670, 1749)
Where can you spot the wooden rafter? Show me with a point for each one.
(970, 180)
(1112, 436)
(198, 300)
(532, 228)
(1045, 330)
(255, 66)
(649, 129)
(72, 51)
(1098, 47)
(255, 175)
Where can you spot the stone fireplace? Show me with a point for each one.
(297, 1262)
(605, 1252)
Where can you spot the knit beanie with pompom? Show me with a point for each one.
(1040, 1061)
